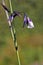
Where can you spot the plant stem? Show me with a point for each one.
(8, 20)
(10, 6)
(13, 33)
(15, 42)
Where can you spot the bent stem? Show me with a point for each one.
(8, 20)
(13, 32)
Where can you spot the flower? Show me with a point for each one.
(13, 15)
(25, 20)
(28, 22)
(11, 18)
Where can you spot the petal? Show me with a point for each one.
(11, 18)
(31, 25)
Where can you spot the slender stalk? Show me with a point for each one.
(10, 6)
(8, 21)
(15, 42)
(13, 33)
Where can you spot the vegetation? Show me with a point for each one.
(30, 41)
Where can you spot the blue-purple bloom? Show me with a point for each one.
(13, 15)
(10, 18)
(28, 22)
(25, 20)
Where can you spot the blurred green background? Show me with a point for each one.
(30, 41)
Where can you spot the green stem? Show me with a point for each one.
(10, 6)
(13, 29)
(13, 33)
(8, 21)
(15, 41)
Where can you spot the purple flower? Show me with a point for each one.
(25, 20)
(28, 22)
(13, 15)
(10, 18)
